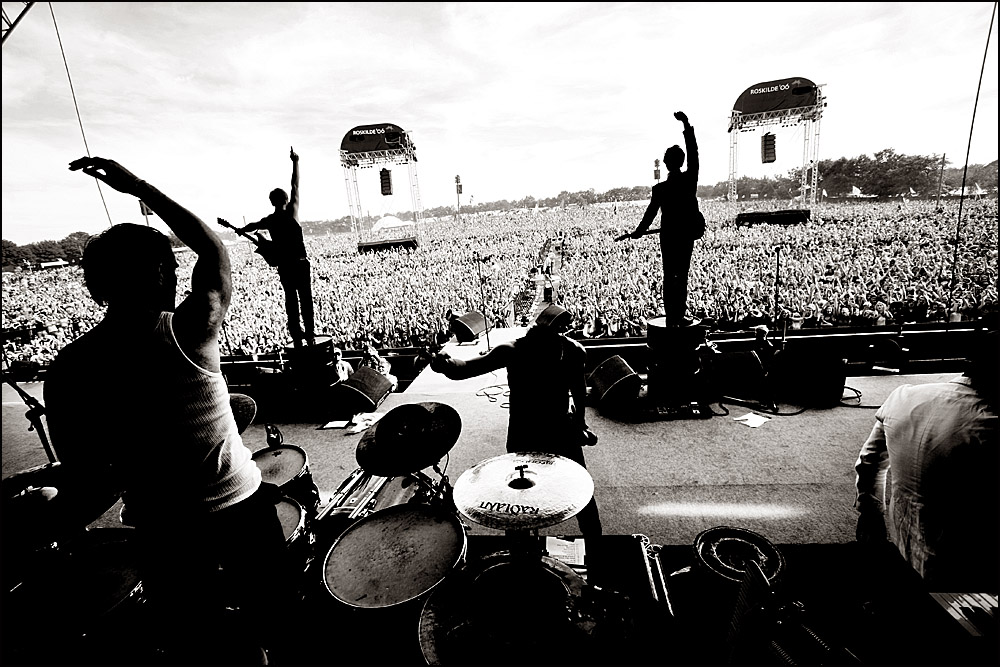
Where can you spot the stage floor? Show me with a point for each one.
(790, 479)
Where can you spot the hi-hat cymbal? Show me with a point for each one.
(409, 438)
(523, 491)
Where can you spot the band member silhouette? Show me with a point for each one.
(681, 223)
(290, 251)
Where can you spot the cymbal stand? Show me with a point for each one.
(34, 416)
(442, 493)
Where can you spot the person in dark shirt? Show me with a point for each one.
(544, 368)
(677, 199)
(290, 253)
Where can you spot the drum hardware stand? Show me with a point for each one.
(34, 415)
(274, 437)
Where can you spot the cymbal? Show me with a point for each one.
(523, 491)
(409, 438)
(44, 503)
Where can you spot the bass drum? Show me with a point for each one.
(393, 556)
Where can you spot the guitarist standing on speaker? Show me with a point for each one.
(681, 223)
(290, 251)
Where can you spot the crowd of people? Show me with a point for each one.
(851, 264)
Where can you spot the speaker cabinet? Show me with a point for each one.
(363, 391)
(614, 383)
(468, 327)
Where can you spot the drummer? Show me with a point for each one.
(140, 401)
(545, 369)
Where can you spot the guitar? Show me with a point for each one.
(628, 235)
(266, 249)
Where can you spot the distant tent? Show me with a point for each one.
(53, 265)
(855, 191)
(913, 192)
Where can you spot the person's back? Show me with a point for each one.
(172, 436)
(539, 373)
(286, 233)
(939, 442)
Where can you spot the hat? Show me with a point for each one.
(554, 316)
(409, 438)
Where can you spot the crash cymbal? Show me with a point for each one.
(409, 438)
(523, 491)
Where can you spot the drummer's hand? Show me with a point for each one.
(439, 361)
(109, 171)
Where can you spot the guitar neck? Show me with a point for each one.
(240, 232)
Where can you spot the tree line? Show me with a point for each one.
(885, 174)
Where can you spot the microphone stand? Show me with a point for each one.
(34, 415)
(482, 295)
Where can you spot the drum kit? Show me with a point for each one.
(392, 535)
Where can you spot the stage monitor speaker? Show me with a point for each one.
(614, 383)
(468, 327)
(363, 391)
(809, 379)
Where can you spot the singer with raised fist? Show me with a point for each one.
(681, 223)
(141, 399)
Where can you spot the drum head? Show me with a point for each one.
(280, 465)
(292, 517)
(393, 556)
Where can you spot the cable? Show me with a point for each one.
(77, 107)
(504, 390)
(857, 395)
(965, 173)
(757, 405)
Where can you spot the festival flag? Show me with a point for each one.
(145, 210)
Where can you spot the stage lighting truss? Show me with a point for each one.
(351, 162)
(809, 116)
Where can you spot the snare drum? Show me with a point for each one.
(394, 555)
(287, 467)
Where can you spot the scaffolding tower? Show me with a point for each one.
(808, 115)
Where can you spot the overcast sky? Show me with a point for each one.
(204, 99)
